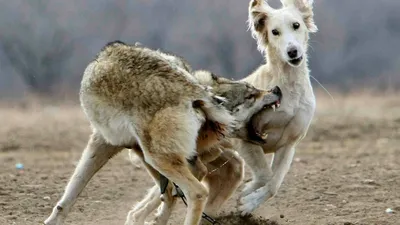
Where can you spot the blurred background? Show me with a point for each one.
(46, 44)
(346, 170)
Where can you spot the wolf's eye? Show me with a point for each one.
(275, 32)
(296, 25)
(250, 96)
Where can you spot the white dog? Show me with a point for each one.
(282, 35)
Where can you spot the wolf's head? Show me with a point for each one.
(241, 99)
(283, 31)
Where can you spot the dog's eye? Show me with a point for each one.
(296, 25)
(275, 32)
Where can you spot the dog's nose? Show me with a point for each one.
(277, 91)
(292, 53)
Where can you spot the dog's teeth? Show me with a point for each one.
(273, 107)
(264, 136)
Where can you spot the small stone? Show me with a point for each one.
(330, 193)
(19, 166)
(46, 197)
(312, 198)
(282, 216)
(389, 211)
(332, 206)
(369, 182)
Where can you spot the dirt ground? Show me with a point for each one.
(346, 171)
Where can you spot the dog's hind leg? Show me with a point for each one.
(142, 209)
(139, 213)
(165, 209)
(95, 155)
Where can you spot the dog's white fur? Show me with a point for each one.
(289, 124)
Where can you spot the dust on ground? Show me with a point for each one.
(346, 171)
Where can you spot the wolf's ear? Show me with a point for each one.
(258, 17)
(306, 9)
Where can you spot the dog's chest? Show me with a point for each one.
(289, 122)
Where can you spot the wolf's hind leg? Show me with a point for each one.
(95, 155)
(170, 141)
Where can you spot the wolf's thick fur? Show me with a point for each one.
(283, 35)
(135, 97)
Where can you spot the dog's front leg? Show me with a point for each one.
(280, 166)
(254, 157)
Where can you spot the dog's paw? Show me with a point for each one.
(156, 221)
(251, 187)
(252, 201)
(134, 218)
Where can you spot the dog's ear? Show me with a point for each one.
(306, 9)
(258, 17)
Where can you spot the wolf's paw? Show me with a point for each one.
(57, 216)
(53, 221)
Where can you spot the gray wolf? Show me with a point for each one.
(282, 35)
(222, 160)
(136, 97)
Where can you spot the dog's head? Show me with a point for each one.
(240, 98)
(284, 31)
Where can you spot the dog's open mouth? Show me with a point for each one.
(296, 61)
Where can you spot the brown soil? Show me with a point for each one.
(346, 171)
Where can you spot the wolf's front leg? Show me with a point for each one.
(280, 166)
